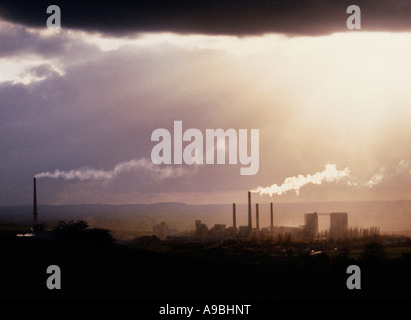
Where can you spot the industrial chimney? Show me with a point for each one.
(272, 216)
(234, 221)
(34, 202)
(250, 223)
(257, 217)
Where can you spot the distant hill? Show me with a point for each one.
(390, 216)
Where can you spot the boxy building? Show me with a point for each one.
(338, 224)
(311, 225)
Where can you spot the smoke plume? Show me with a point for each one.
(329, 174)
(376, 179)
(401, 169)
(136, 165)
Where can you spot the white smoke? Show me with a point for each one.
(403, 165)
(329, 174)
(402, 168)
(135, 165)
(376, 179)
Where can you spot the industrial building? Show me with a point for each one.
(308, 231)
(201, 230)
(219, 231)
(338, 225)
(311, 225)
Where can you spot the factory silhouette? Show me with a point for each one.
(305, 263)
(309, 231)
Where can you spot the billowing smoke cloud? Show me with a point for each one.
(136, 165)
(329, 174)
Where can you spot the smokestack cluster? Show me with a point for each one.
(257, 215)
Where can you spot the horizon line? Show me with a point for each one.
(199, 204)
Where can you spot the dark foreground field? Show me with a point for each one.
(230, 271)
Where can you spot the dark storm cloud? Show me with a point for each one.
(16, 40)
(242, 17)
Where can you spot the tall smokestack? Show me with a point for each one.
(34, 202)
(271, 215)
(234, 221)
(272, 219)
(250, 223)
(257, 217)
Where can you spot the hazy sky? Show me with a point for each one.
(88, 97)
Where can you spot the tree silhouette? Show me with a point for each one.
(80, 232)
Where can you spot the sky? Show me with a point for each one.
(79, 104)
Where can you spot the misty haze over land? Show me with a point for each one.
(390, 216)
